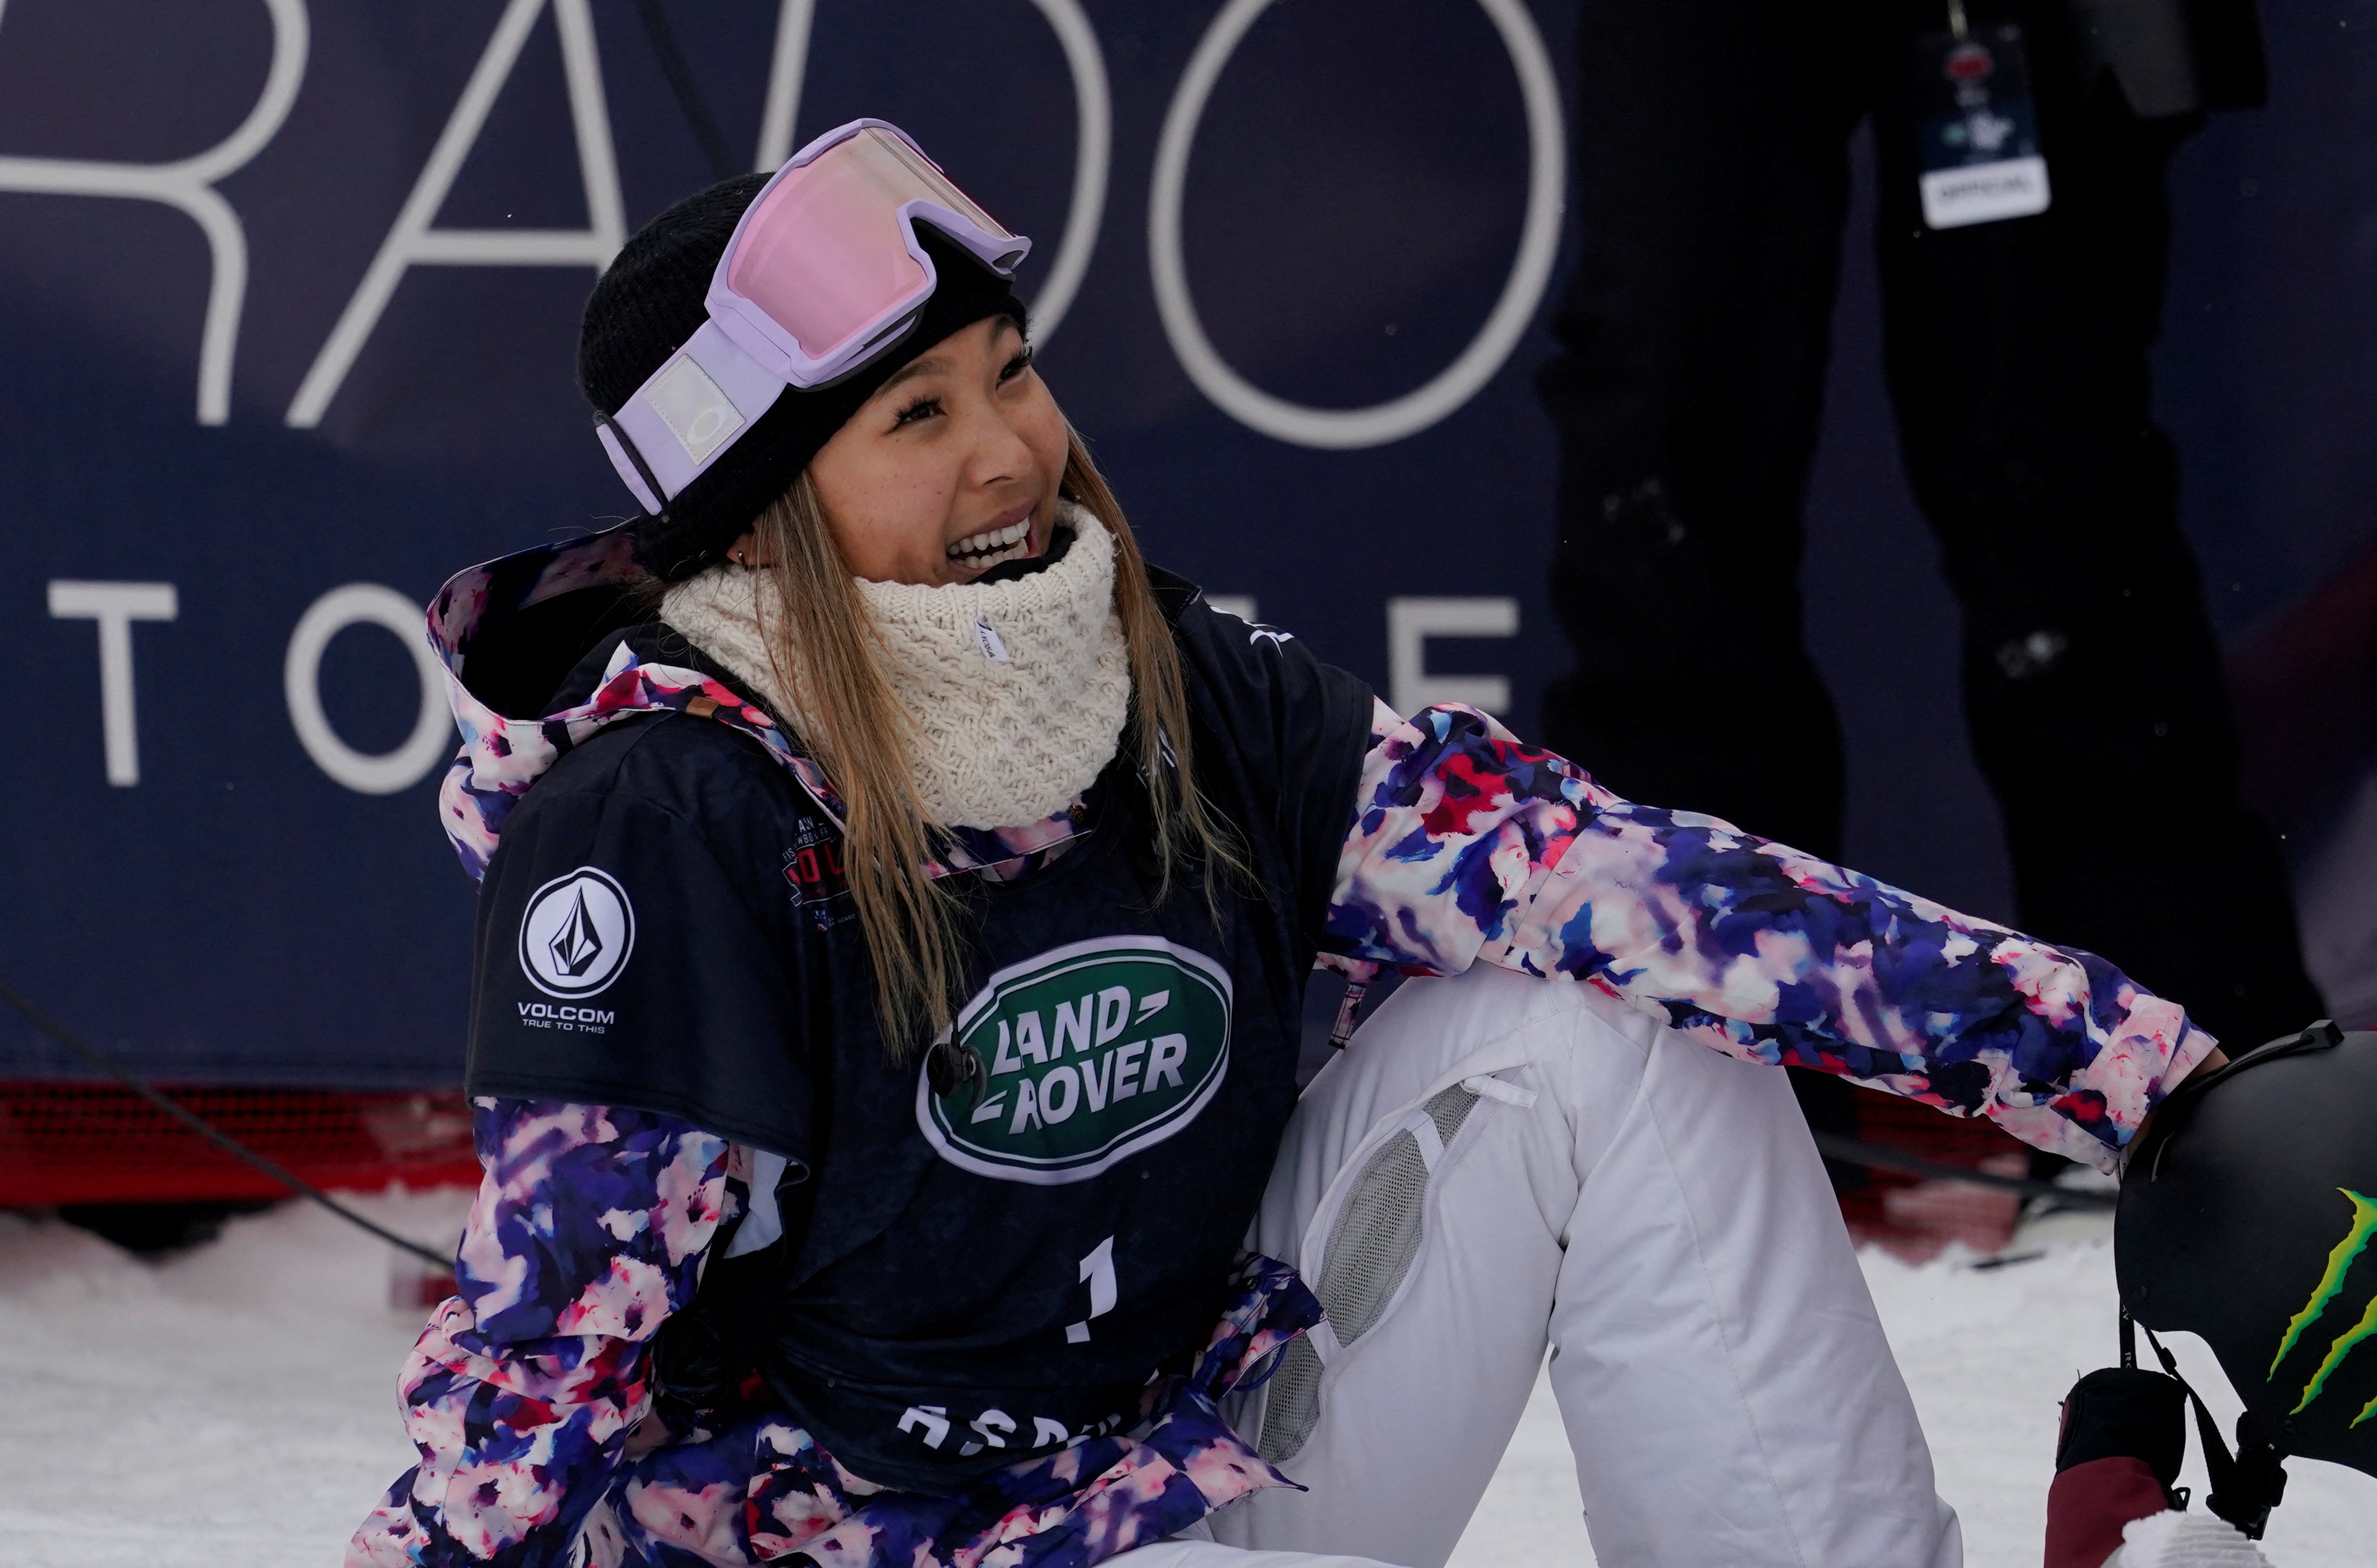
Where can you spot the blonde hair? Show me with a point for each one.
(821, 643)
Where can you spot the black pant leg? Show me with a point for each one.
(2018, 359)
(1713, 187)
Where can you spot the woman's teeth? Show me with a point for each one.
(993, 545)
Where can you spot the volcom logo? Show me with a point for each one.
(2331, 1285)
(576, 934)
(578, 944)
(1088, 1053)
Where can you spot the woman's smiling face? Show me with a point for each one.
(951, 467)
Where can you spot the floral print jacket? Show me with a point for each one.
(527, 1396)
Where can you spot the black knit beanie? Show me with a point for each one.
(649, 302)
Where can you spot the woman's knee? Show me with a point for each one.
(1484, 1020)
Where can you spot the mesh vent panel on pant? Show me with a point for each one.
(1370, 1249)
(1449, 1110)
(1375, 1238)
(1291, 1402)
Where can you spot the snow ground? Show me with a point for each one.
(235, 1405)
(1988, 1353)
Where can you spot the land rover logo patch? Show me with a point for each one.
(1090, 1052)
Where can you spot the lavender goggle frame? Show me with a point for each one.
(733, 370)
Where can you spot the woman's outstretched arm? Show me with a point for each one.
(1468, 845)
(590, 1227)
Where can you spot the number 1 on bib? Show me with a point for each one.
(1097, 1271)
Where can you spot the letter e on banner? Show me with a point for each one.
(1411, 621)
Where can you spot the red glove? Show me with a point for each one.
(2124, 1438)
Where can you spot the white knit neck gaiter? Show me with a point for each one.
(1017, 690)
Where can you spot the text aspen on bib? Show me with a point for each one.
(1090, 1052)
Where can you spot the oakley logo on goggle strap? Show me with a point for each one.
(696, 412)
(2331, 1286)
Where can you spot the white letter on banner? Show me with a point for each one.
(362, 604)
(1458, 382)
(189, 185)
(1411, 622)
(786, 69)
(412, 242)
(1094, 117)
(115, 606)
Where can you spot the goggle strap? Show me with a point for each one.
(630, 465)
(698, 404)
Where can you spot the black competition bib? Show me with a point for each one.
(1004, 1266)
(969, 1275)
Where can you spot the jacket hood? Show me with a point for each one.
(509, 631)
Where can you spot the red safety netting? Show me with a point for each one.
(71, 1143)
(68, 1143)
(1917, 1216)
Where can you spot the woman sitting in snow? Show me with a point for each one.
(898, 902)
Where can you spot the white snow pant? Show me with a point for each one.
(1497, 1163)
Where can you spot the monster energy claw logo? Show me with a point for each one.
(1088, 1053)
(2331, 1285)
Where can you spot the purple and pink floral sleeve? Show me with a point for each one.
(1468, 845)
(590, 1227)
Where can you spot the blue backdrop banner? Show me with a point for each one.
(289, 298)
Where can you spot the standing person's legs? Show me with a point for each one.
(2018, 354)
(1497, 1163)
(1713, 184)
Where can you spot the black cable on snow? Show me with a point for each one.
(208, 1130)
(697, 117)
(1856, 1150)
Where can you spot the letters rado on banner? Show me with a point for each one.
(1089, 1052)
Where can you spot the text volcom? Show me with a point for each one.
(544, 1015)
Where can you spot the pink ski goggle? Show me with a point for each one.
(823, 275)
